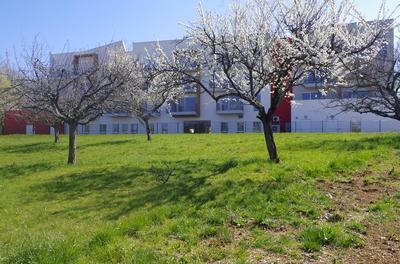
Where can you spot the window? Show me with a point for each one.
(256, 126)
(85, 129)
(85, 62)
(355, 94)
(314, 77)
(125, 128)
(164, 128)
(115, 128)
(363, 93)
(224, 127)
(103, 129)
(318, 96)
(240, 127)
(134, 128)
(305, 96)
(347, 94)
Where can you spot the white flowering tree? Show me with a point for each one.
(375, 89)
(272, 45)
(149, 89)
(75, 90)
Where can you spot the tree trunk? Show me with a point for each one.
(269, 137)
(148, 130)
(72, 144)
(56, 134)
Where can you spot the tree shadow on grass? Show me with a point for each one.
(13, 171)
(30, 148)
(51, 146)
(392, 142)
(126, 189)
(105, 143)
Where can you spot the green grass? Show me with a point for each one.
(222, 202)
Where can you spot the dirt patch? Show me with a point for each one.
(357, 193)
(381, 245)
(382, 240)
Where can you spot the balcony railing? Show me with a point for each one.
(183, 109)
(234, 106)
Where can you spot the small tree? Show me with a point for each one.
(76, 89)
(273, 44)
(149, 89)
(43, 117)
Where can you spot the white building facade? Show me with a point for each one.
(197, 112)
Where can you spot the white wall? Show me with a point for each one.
(313, 116)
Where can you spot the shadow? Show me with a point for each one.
(14, 170)
(126, 189)
(392, 142)
(51, 146)
(105, 143)
(30, 148)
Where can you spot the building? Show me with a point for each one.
(313, 111)
(197, 112)
(16, 124)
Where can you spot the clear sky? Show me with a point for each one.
(86, 23)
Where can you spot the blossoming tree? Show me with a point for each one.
(271, 45)
(148, 90)
(74, 89)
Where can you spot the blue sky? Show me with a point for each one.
(86, 23)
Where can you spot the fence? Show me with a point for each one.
(356, 125)
(324, 126)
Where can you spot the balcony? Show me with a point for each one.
(230, 106)
(186, 106)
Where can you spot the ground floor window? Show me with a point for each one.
(240, 127)
(164, 128)
(115, 128)
(224, 127)
(134, 128)
(256, 126)
(86, 129)
(103, 129)
(125, 128)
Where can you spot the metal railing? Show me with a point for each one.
(306, 126)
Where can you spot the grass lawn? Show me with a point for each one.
(333, 198)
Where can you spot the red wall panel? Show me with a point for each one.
(13, 123)
(284, 111)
